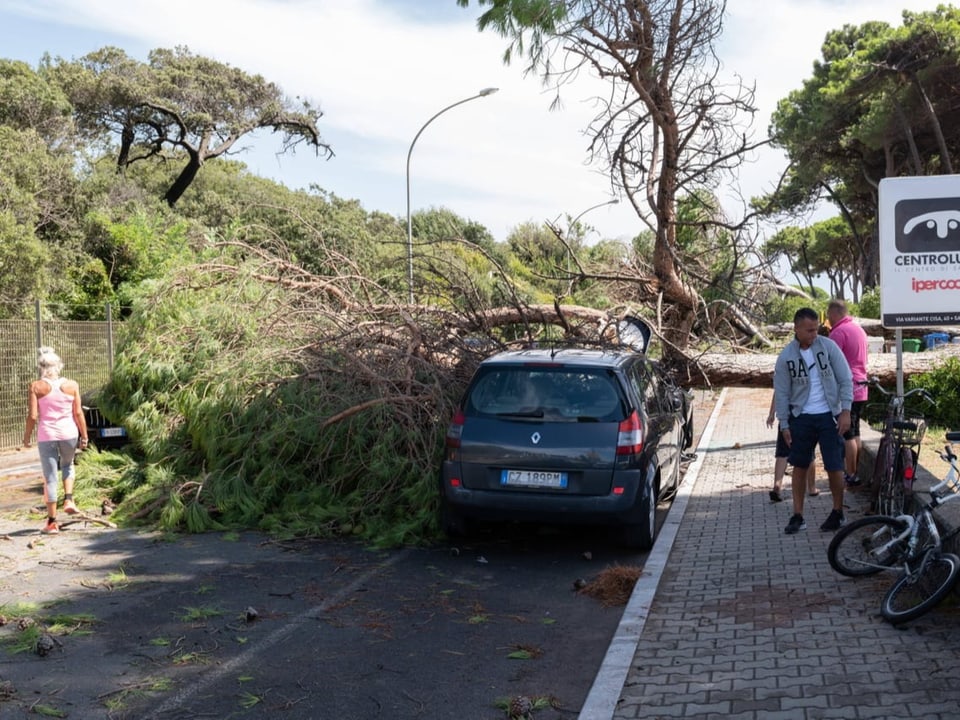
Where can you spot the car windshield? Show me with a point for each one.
(574, 394)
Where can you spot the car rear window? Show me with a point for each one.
(574, 394)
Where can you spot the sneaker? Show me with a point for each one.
(834, 521)
(851, 480)
(50, 528)
(69, 507)
(795, 525)
(775, 496)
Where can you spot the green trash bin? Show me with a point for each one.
(911, 345)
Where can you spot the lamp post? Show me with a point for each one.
(482, 93)
(573, 223)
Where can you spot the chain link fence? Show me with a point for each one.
(85, 346)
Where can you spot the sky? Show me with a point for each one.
(381, 69)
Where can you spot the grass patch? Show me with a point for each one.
(117, 700)
(191, 658)
(524, 652)
(24, 623)
(249, 700)
(198, 614)
(47, 711)
(118, 579)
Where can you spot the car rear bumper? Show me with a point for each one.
(552, 507)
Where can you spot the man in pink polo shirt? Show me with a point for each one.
(853, 342)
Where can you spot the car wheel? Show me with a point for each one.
(687, 434)
(676, 475)
(640, 536)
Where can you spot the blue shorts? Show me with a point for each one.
(808, 431)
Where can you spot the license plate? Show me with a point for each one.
(533, 478)
(112, 432)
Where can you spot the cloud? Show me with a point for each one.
(379, 69)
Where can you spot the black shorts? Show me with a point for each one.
(783, 450)
(855, 410)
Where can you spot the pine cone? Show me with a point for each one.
(26, 623)
(45, 645)
(520, 707)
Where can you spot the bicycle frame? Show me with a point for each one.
(892, 481)
(923, 519)
(909, 544)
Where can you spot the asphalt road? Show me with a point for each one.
(238, 626)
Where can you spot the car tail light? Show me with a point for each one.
(455, 429)
(630, 436)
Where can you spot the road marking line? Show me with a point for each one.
(272, 639)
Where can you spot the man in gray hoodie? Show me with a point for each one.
(813, 387)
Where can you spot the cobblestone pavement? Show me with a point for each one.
(748, 622)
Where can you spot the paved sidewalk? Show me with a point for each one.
(747, 622)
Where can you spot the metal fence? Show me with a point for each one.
(85, 346)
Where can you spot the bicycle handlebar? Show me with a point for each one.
(874, 382)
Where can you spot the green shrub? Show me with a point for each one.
(869, 306)
(943, 383)
(782, 309)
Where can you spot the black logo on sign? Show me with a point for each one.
(927, 225)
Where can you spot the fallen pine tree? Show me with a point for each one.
(259, 395)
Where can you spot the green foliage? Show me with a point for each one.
(943, 384)
(22, 259)
(143, 244)
(782, 309)
(825, 248)
(879, 104)
(869, 306)
(29, 102)
(87, 292)
(194, 106)
(236, 434)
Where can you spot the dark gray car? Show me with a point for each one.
(583, 436)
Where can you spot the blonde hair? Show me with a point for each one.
(49, 363)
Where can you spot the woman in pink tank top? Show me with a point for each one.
(54, 408)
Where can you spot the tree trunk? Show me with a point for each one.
(184, 179)
(724, 370)
(126, 142)
(935, 125)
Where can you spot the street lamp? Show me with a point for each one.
(482, 93)
(573, 224)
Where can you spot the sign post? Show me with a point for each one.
(919, 232)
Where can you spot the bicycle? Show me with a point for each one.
(910, 544)
(899, 449)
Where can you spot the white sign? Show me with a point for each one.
(920, 251)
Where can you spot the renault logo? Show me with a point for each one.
(535, 438)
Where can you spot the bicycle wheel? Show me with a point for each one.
(890, 489)
(855, 549)
(892, 498)
(914, 594)
(905, 469)
(882, 472)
